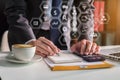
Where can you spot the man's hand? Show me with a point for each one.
(85, 47)
(45, 47)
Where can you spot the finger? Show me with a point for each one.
(58, 49)
(39, 49)
(41, 54)
(88, 47)
(83, 46)
(97, 50)
(93, 48)
(45, 49)
(73, 48)
(50, 44)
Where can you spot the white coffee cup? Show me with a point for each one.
(23, 52)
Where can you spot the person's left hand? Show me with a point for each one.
(85, 47)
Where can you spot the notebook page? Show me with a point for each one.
(64, 57)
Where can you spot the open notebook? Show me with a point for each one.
(64, 57)
(69, 61)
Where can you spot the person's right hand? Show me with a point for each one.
(45, 47)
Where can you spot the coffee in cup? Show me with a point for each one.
(24, 52)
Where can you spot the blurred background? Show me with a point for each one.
(107, 22)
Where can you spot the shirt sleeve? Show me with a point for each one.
(30, 41)
(19, 28)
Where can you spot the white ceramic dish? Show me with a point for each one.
(11, 58)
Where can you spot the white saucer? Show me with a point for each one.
(11, 58)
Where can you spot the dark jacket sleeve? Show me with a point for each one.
(19, 28)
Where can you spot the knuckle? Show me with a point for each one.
(50, 42)
(47, 47)
(94, 44)
(41, 38)
(83, 42)
(89, 43)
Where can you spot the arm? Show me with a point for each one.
(85, 44)
(19, 28)
(21, 32)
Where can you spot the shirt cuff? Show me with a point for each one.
(30, 41)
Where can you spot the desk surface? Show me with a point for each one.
(40, 71)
